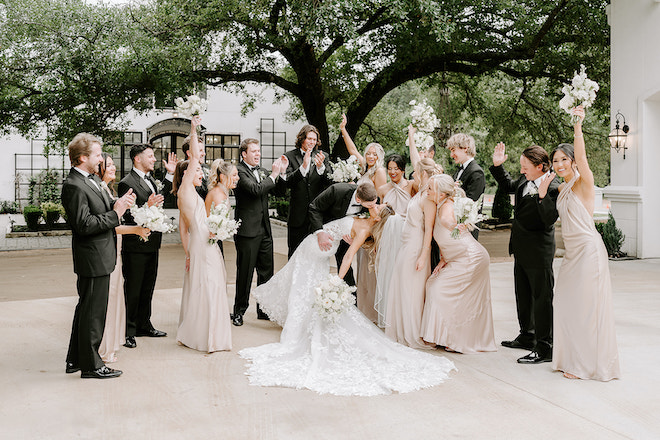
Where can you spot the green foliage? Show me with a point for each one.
(33, 190)
(613, 237)
(502, 208)
(51, 212)
(281, 204)
(32, 214)
(7, 207)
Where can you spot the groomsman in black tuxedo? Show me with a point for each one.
(340, 200)
(140, 258)
(254, 239)
(93, 217)
(469, 173)
(532, 244)
(307, 175)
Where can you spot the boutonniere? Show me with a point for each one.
(459, 183)
(262, 174)
(104, 186)
(532, 191)
(159, 185)
(364, 214)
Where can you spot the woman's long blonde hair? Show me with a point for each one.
(380, 162)
(371, 244)
(444, 184)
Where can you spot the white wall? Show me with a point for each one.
(223, 117)
(635, 183)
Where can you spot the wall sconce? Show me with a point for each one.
(618, 136)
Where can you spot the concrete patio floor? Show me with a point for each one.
(171, 392)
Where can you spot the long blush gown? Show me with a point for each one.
(114, 331)
(204, 322)
(405, 298)
(458, 312)
(584, 336)
(365, 278)
(350, 357)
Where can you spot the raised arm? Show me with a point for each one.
(412, 148)
(350, 145)
(503, 178)
(580, 151)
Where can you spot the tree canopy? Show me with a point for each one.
(72, 62)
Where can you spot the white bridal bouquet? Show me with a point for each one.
(423, 141)
(466, 211)
(333, 296)
(345, 170)
(581, 91)
(423, 116)
(192, 106)
(152, 217)
(220, 223)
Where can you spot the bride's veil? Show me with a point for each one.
(388, 248)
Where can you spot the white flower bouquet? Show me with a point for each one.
(423, 141)
(220, 223)
(345, 170)
(581, 91)
(152, 217)
(333, 296)
(467, 213)
(192, 106)
(423, 116)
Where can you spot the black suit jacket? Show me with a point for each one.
(252, 200)
(330, 205)
(473, 180)
(304, 189)
(92, 220)
(532, 239)
(130, 242)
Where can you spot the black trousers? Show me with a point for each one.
(140, 271)
(534, 290)
(88, 322)
(251, 253)
(295, 236)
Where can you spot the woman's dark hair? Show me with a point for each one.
(398, 160)
(103, 166)
(537, 156)
(567, 149)
(181, 167)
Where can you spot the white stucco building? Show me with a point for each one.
(634, 189)
(165, 130)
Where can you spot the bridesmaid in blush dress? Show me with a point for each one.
(406, 291)
(457, 313)
(398, 192)
(204, 323)
(115, 318)
(584, 336)
(372, 164)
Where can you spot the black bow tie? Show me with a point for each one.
(90, 176)
(462, 167)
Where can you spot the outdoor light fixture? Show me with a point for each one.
(618, 136)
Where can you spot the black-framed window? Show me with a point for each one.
(222, 146)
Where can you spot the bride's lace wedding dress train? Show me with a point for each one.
(350, 357)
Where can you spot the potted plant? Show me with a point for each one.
(613, 237)
(32, 214)
(51, 213)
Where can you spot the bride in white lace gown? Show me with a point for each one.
(350, 357)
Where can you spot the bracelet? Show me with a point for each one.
(577, 135)
(187, 258)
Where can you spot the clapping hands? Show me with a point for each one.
(124, 202)
(545, 184)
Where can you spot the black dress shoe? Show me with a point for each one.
(70, 368)
(153, 333)
(517, 344)
(101, 373)
(237, 320)
(535, 358)
(130, 342)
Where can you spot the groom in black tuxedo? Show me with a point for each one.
(532, 244)
(140, 258)
(340, 200)
(254, 239)
(470, 175)
(93, 217)
(306, 176)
